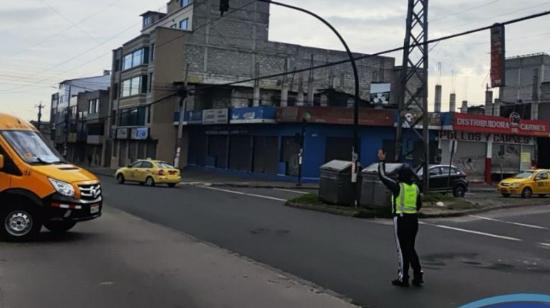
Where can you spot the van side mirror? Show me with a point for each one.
(1, 161)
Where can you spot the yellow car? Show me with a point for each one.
(149, 172)
(526, 184)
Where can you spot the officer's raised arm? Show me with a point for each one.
(391, 184)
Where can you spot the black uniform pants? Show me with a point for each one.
(406, 228)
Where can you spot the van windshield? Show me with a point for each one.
(31, 147)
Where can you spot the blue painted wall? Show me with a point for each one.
(315, 141)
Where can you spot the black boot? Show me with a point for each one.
(418, 279)
(400, 283)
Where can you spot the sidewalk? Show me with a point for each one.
(222, 178)
(121, 260)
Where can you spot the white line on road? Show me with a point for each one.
(475, 232)
(243, 193)
(510, 222)
(292, 191)
(545, 245)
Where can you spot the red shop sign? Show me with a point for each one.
(498, 125)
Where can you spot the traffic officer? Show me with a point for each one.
(406, 202)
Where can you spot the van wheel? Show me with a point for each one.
(150, 182)
(506, 195)
(527, 193)
(20, 223)
(59, 226)
(459, 191)
(120, 179)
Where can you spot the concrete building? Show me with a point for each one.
(89, 133)
(191, 44)
(64, 107)
(526, 95)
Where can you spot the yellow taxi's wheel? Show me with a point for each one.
(120, 179)
(150, 181)
(527, 193)
(172, 185)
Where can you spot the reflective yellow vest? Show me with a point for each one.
(405, 203)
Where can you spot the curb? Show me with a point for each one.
(234, 185)
(477, 211)
(365, 213)
(269, 186)
(351, 212)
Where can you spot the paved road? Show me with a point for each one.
(123, 261)
(464, 259)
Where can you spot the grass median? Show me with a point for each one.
(434, 205)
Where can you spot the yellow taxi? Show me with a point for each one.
(526, 184)
(149, 172)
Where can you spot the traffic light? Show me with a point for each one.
(224, 6)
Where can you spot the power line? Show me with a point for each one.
(47, 39)
(68, 20)
(463, 11)
(447, 37)
(443, 38)
(241, 8)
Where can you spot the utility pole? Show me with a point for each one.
(40, 107)
(413, 94)
(182, 93)
(67, 124)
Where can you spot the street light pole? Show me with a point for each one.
(355, 153)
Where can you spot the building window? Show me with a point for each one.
(115, 90)
(152, 50)
(132, 116)
(147, 20)
(93, 106)
(117, 65)
(127, 62)
(136, 58)
(134, 86)
(150, 86)
(143, 84)
(185, 3)
(148, 111)
(184, 24)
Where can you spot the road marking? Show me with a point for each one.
(243, 193)
(545, 245)
(475, 232)
(292, 191)
(510, 222)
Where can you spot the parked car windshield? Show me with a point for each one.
(31, 147)
(523, 175)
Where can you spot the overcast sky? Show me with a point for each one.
(47, 41)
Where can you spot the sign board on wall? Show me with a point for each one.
(139, 133)
(337, 115)
(498, 52)
(122, 133)
(499, 125)
(264, 114)
(215, 116)
(380, 93)
(484, 137)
